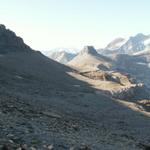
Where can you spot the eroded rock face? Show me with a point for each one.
(9, 41)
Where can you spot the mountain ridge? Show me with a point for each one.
(132, 45)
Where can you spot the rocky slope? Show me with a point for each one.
(43, 107)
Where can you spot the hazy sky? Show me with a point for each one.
(47, 24)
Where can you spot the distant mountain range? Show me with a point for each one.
(129, 46)
(62, 55)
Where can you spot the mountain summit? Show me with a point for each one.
(89, 59)
(88, 50)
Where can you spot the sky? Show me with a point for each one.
(49, 24)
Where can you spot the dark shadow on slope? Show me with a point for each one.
(33, 72)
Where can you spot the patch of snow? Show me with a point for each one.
(130, 47)
(118, 45)
(142, 52)
(147, 42)
(68, 50)
(141, 63)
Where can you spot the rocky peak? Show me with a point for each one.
(137, 39)
(134, 44)
(89, 50)
(9, 41)
(140, 36)
(2, 27)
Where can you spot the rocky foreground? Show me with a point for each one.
(86, 121)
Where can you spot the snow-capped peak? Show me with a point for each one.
(68, 50)
(116, 44)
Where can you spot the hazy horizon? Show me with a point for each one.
(74, 24)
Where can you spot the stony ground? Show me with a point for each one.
(68, 121)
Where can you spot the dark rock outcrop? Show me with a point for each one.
(10, 42)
